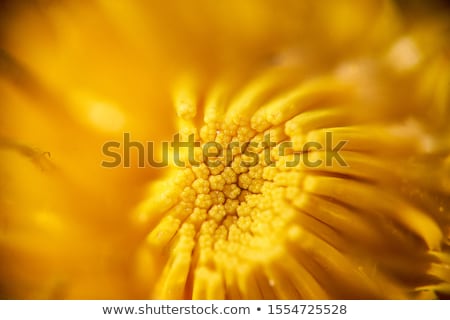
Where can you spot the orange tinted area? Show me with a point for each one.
(368, 76)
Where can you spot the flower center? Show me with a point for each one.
(222, 219)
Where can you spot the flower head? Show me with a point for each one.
(313, 229)
(320, 167)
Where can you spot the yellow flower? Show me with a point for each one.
(369, 219)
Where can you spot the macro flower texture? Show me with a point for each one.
(354, 93)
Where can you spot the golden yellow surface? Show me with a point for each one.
(76, 74)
